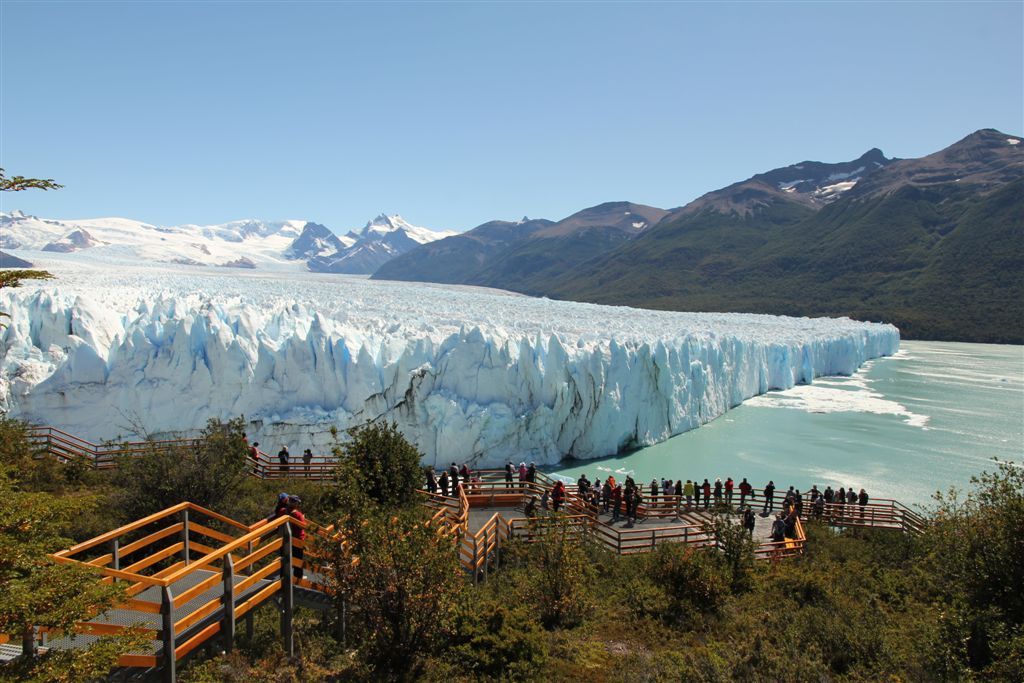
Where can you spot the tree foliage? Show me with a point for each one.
(13, 278)
(35, 590)
(399, 582)
(18, 183)
(378, 466)
(209, 474)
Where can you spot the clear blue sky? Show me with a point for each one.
(454, 114)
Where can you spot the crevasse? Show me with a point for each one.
(468, 375)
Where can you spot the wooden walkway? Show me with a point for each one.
(193, 573)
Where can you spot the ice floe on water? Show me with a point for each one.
(838, 395)
(467, 374)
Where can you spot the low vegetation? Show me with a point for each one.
(858, 606)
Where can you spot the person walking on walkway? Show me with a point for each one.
(283, 456)
(769, 497)
(745, 490)
(728, 491)
(778, 529)
(748, 520)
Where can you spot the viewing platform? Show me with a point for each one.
(193, 573)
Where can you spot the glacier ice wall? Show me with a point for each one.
(468, 374)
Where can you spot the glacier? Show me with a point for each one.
(468, 374)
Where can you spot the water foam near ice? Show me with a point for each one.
(467, 374)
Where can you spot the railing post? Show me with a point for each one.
(227, 624)
(115, 552)
(167, 628)
(654, 539)
(185, 554)
(475, 559)
(287, 601)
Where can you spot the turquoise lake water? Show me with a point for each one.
(903, 427)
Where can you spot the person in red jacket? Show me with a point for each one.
(745, 490)
(728, 491)
(558, 495)
(298, 532)
(707, 493)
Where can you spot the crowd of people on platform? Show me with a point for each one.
(284, 457)
(622, 500)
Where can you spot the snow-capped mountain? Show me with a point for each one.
(380, 240)
(274, 245)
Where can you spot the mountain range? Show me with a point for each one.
(292, 244)
(934, 245)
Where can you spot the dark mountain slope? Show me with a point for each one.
(941, 259)
(455, 259)
(529, 265)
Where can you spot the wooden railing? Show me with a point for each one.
(174, 558)
(69, 448)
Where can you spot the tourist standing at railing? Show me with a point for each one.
(706, 486)
(557, 496)
(616, 501)
(769, 497)
(829, 495)
(778, 529)
(679, 492)
(307, 458)
(464, 473)
(443, 483)
(522, 472)
(509, 469)
(798, 503)
(453, 477)
(431, 479)
(718, 492)
(544, 498)
(283, 456)
(818, 507)
(531, 473)
(654, 487)
(862, 499)
(298, 532)
(606, 496)
(814, 493)
(688, 492)
(254, 455)
(635, 501)
(745, 490)
(728, 491)
(583, 485)
(851, 496)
